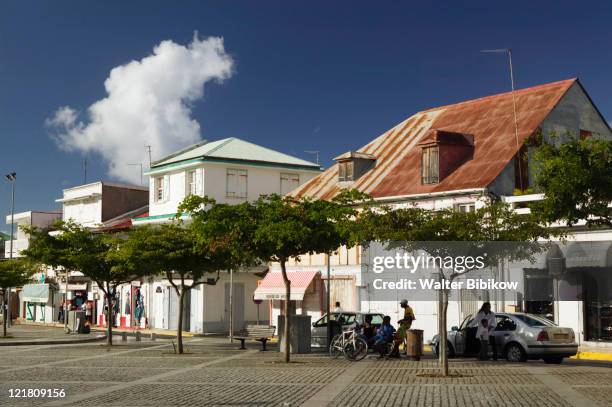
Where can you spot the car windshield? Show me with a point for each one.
(533, 321)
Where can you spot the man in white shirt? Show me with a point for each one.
(486, 331)
(337, 309)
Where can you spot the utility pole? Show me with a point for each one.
(11, 177)
(328, 299)
(138, 164)
(508, 52)
(231, 305)
(148, 147)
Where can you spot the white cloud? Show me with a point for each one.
(148, 103)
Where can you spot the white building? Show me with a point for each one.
(41, 219)
(462, 156)
(105, 206)
(230, 171)
(38, 301)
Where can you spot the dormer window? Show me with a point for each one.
(443, 152)
(345, 171)
(430, 165)
(352, 165)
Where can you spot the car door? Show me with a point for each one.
(460, 336)
(319, 331)
(504, 329)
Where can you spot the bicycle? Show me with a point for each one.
(349, 343)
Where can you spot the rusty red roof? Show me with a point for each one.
(489, 120)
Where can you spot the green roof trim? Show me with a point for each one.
(164, 216)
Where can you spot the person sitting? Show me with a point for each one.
(368, 330)
(384, 336)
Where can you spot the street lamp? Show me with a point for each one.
(508, 52)
(11, 177)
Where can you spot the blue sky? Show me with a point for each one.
(326, 76)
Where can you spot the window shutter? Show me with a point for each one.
(199, 181)
(243, 184)
(166, 197)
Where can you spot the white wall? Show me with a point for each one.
(87, 212)
(211, 180)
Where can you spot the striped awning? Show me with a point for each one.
(272, 287)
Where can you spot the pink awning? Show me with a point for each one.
(272, 287)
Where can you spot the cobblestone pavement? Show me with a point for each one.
(215, 373)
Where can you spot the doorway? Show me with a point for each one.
(238, 305)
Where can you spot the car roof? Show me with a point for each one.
(355, 312)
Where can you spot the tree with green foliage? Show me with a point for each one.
(288, 227)
(73, 247)
(274, 229)
(575, 176)
(171, 250)
(480, 231)
(13, 273)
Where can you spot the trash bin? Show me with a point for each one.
(76, 320)
(300, 333)
(414, 343)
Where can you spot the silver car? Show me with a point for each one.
(518, 337)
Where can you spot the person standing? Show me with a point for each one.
(338, 308)
(408, 314)
(60, 314)
(88, 310)
(486, 331)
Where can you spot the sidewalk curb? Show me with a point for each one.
(592, 356)
(53, 342)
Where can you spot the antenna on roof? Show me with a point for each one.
(85, 170)
(148, 147)
(316, 152)
(508, 51)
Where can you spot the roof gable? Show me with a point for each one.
(489, 120)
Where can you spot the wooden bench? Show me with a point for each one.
(260, 333)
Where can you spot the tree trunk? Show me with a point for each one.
(287, 349)
(109, 319)
(443, 339)
(4, 308)
(179, 328)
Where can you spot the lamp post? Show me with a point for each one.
(508, 52)
(11, 177)
(328, 299)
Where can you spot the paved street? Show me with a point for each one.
(214, 372)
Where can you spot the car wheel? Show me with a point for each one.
(515, 353)
(553, 360)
